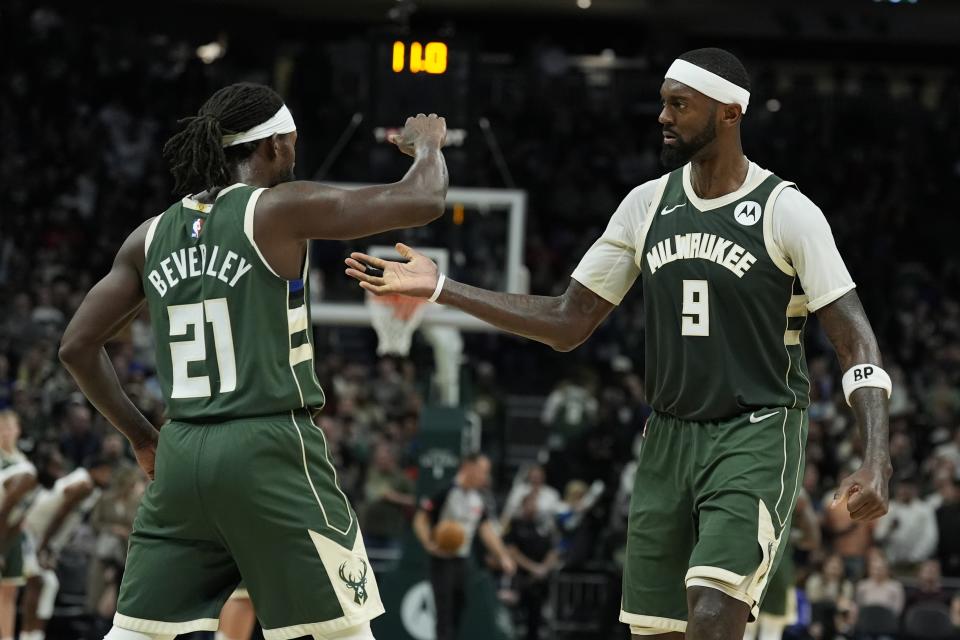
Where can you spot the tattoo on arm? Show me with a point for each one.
(846, 325)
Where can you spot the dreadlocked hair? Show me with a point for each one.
(196, 155)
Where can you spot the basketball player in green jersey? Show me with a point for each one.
(723, 248)
(244, 486)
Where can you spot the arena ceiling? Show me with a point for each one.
(928, 21)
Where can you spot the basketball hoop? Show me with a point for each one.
(395, 318)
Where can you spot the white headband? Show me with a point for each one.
(281, 122)
(708, 83)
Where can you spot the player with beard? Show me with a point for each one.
(723, 247)
(243, 483)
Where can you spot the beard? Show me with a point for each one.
(682, 151)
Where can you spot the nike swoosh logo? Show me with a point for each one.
(754, 418)
(665, 210)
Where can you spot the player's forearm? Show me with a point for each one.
(848, 329)
(90, 366)
(418, 199)
(539, 318)
(424, 187)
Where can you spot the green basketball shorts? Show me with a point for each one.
(711, 503)
(256, 499)
(13, 561)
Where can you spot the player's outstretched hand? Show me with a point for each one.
(863, 493)
(417, 277)
(428, 132)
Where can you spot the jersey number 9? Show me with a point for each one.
(695, 316)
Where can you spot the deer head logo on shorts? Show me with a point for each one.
(358, 583)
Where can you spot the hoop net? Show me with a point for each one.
(395, 318)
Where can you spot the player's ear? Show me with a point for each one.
(730, 114)
(273, 149)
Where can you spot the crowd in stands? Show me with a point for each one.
(86, 106)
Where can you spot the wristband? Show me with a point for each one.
(865, 375)
(436, 292)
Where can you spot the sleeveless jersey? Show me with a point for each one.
(233, 338)
(724, 323)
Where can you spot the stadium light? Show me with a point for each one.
(212, 51)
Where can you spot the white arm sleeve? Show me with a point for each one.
(801, 233)
(609, 268)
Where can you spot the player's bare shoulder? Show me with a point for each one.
(133, 251)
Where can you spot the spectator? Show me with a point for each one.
(79, 441)
(829, 584)
(389, 498)
(462, 502)
(948, 530)
(831, 597)
(548, 498)
(114, 450)
(530, 542)
(908, 533)
(929, 587)
(851, 539)
(878, 589)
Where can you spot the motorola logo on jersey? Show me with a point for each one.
(747, 213)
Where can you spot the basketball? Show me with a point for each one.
(449, 535)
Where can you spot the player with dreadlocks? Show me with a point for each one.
(243, 481)
(721, 246)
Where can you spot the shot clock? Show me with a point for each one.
(420, 73)
(416, 58)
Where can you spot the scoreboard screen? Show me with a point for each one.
(426, 58)
(420, 74)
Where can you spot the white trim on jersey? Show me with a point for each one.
(151, 230)
(755, 175)
(248, 228)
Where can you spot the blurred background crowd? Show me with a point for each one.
(87, 101)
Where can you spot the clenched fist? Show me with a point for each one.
(422, 132)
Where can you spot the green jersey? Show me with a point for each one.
(724, 322)
(233, 338)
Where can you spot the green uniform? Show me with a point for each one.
(244, 485)
(720, 467)
(12, 572)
